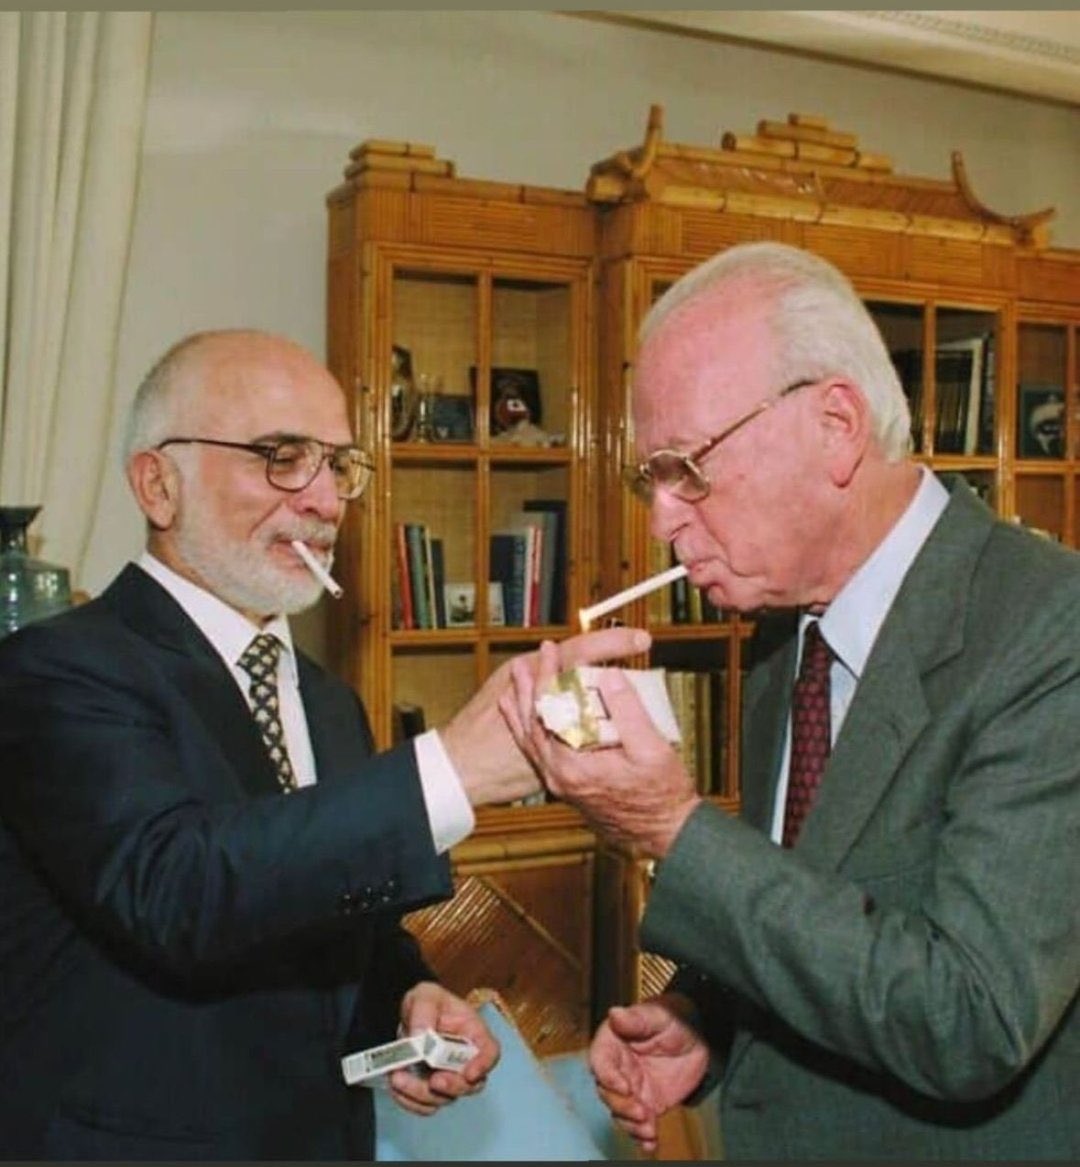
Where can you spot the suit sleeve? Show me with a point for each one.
(945, 950)
(135, 815)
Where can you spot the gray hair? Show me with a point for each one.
(821, 326)
(165, 394)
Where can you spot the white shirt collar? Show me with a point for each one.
(227, 630)
(854, 618)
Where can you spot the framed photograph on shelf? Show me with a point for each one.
(452, 418)
(1041, 421)
(460, 605)
(496, 604)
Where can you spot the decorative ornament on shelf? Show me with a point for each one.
(402, 393)
(29, 589)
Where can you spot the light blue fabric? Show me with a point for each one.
(523, 1113)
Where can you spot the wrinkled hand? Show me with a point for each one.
(647, 1058)
(491, 765)
(430, 1006)
(637, 793)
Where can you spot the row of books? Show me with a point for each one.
(964, 378)
(418, 593)
(699, 700)
(527, 557)
(680, 602)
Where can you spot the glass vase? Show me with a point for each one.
(29, 588)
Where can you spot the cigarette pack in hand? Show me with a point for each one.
(571, 707)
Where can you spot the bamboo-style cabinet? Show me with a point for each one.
(461, 324)
(476, 285)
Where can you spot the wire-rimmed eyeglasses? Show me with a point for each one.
(679, 473)
(293, 463)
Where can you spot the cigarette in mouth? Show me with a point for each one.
(317, 569)
(588, 615)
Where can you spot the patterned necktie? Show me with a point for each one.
(810, 731)
(260, 662)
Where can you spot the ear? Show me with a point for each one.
(847, 426)
(155, 483)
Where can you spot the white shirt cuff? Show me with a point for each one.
(450, 813)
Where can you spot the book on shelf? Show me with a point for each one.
(658, 603)
(552, 512)
(415, 538)
(704, 685)
(438, 580)
(987, 406)
(516, 558)
(680, 598)
(404, 614)
(698, 699)
(958, 377)
(508, 564)
(908, 364)
(400, 616)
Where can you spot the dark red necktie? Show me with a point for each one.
(810, 731)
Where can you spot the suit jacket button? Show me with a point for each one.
(347, 904)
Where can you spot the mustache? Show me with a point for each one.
(308, 531)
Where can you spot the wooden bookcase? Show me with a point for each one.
(464, 281)
(983, 320)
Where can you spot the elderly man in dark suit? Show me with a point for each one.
(881, 959)
(200, 908)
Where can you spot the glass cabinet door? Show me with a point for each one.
(903, 328)
(479, 501)
(1042, 432)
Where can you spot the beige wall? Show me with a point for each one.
(251, 117)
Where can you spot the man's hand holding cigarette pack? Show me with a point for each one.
(571, 706)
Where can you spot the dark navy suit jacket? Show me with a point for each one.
(185, 953)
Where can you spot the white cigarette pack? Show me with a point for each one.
(438, 1051)
(572, 708)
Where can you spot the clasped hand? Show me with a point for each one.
(492, 766)
(428, 1005)
(636, 794)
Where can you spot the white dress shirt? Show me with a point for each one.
(450, 815)
(852, 621)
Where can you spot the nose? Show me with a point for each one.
(668, 514)
(320, 496)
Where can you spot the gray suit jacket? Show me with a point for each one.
(904, 982)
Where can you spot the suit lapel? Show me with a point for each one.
(198, 672)
(766, 713)
(924, 628)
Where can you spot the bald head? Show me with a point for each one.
(200, 374)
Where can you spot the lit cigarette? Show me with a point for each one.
(588, 615)
(317, 569)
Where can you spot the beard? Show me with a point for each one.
(244, 575)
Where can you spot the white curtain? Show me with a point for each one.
(72, 101)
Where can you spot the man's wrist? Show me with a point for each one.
(450, 814)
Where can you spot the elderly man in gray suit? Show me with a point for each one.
(897, 979)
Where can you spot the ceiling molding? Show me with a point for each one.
(1034, 55)
(982, 34)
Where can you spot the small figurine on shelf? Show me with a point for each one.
(402, 393)
(515, 409)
